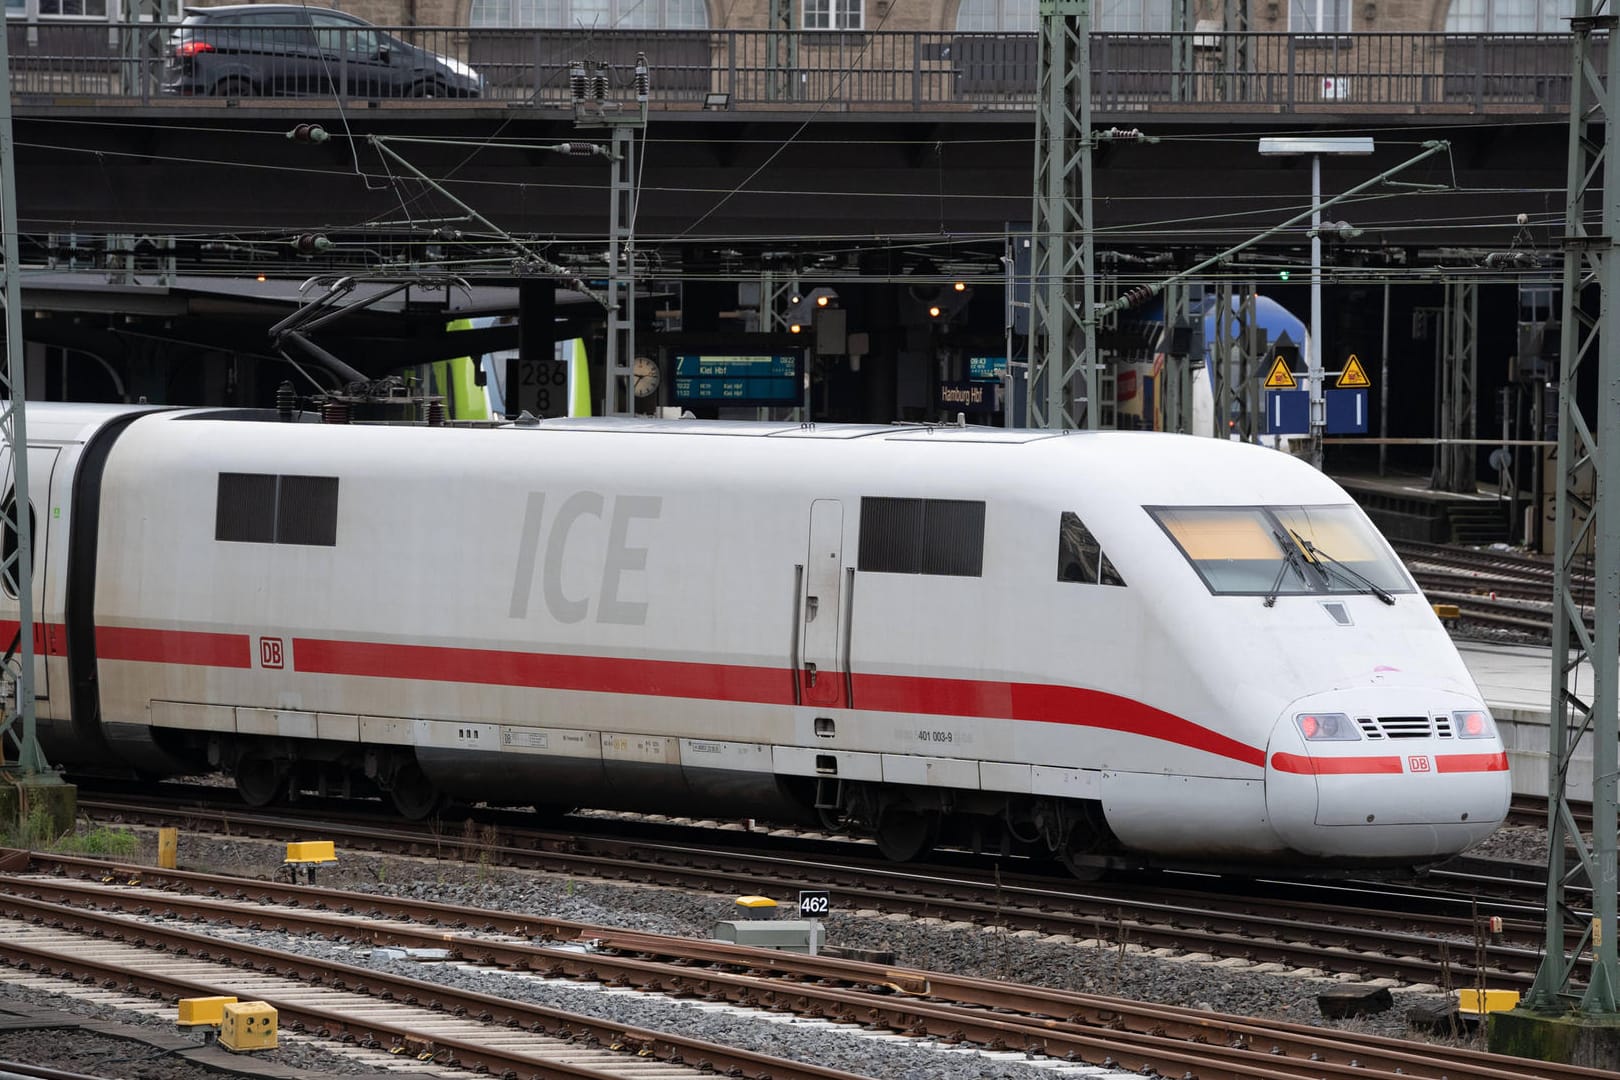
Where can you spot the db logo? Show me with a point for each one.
(270, 655)
(1417, 763)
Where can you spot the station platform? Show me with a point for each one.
(1516, 681)
(1404, 507)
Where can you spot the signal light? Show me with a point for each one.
(795, 329)
(933, 311)
(1283, 275)
(310, 133)
(1327, 727)
(960, 286)
(821, 301)
(1472, 724)
(260, 277)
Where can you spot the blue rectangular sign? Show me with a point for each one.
(1288, 412)
(1347, 412)
(736, 367)
(765, 379)
(987, 368)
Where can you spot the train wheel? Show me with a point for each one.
(904, 835)
(260, 781)
(1080, 870)
(413, 793)
(548, 816)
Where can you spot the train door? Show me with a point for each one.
(820, 629)
(47, 637)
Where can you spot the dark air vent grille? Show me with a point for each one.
(246, 511)
(307, 510)
(261, 508)
(1406, 727)
(891, 535)
(922, 536)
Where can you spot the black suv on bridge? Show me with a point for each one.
(291, 50)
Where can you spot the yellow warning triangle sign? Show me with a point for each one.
(1354, 376)
(1281, 378)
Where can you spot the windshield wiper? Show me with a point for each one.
(1354, 577)
(1292, 557)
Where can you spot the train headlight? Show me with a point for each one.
(1473, 724)
(1327, 727)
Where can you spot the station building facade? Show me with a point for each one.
(1118, 16)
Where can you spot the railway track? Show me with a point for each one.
(84, 934)
(59, 896)
(1490, 588)
(1415, 934)
(1532, 810)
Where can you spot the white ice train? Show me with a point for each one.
(1105, 647)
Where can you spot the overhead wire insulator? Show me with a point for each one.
(577, 80)
(286, 402)
(311, 243)
(599, 81)
(1139, 295)
(308, 133)
(643, 79)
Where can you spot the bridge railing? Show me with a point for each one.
(921, 71)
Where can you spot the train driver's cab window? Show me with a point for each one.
(8, 544)
(1283, 550)
(1080, 556)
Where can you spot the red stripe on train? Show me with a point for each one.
(1345, 766)
(1045, 703)
(670, 678)
(1497, 762)
(1334, 766)
(601, 674)
(193, 647)
(50, 639)
(667, 678)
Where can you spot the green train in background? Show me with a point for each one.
(547, 390)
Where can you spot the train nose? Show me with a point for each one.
(1381, 778)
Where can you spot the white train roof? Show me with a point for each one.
(71, 422)
(873, 459)
(1141, 467)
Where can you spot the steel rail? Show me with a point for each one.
(1043, 906)
(819, 985)
(487, 1008)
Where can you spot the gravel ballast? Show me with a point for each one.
(1234, 987)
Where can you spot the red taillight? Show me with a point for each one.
(192, 48)
(1310, 726)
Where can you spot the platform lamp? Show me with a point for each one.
(1316, 147)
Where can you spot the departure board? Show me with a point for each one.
(766, 379)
